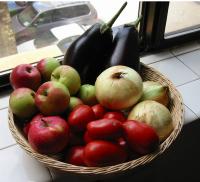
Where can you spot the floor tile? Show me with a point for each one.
(147, 59)
(175, 70)
(184, 48)
(189, 116)
(190, 93)
(17, 166)
(4, 99)
(192, 60)
(6, 138)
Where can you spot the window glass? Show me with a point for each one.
(44, 18)
(27, 16)
(71, 12)
(32, 27)
(182, 17)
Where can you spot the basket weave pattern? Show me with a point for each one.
(175, 107)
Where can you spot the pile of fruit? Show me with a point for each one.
(117, 119)
(94, 110)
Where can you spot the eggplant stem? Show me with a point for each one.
(108, 25)
(135, 23)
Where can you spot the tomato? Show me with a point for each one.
(103, 153)
(99, 111)
(75, 156)
(75, 139)
(141, 137)
(115, 115)
(123, 143)
(105, 129)
(87, 138)
(80, 117)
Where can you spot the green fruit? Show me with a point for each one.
(47, 66)
(68, 76)
(87, 94)
(22, 102)
(74, 101)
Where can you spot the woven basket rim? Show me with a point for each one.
(130, 165)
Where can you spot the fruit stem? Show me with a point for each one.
(45, 123)
(108, 25)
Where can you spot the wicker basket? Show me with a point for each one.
(176, 109)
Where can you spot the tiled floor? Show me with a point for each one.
(181, 65)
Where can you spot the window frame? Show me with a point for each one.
(155, 13)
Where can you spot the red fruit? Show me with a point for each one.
(80, 117)
(52, 98)
(102, 153)
(87, 138)
(123, 143)
(75, 139)
(141, 137)
(104, 129)
(49, 135)
(99, 111)
(115, 115)
(46, 66)
(25, 75)
(27, 125)
(75, 156)
(26, 128)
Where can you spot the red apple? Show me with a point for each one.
(25, 75)
(141, 137)
(49, 135)
(46, 67)
(52, 98)
(22, 102)
(26, 126)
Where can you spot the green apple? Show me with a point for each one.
(22, 102)
(74, 101)
(87, 94)
(46, 67)
(68, 76)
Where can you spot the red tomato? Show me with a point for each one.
(105, 129)
(75, 139)
(75, 156)
(99, 111)
(80, 117)
(115, 115)
(122, 142)
(87, 138)
(141, 137)
(102, 153)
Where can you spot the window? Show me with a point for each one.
(27, 16)
(167, 23)
(184, 15)
(28, 36)
(44, 18)
(70, 12)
